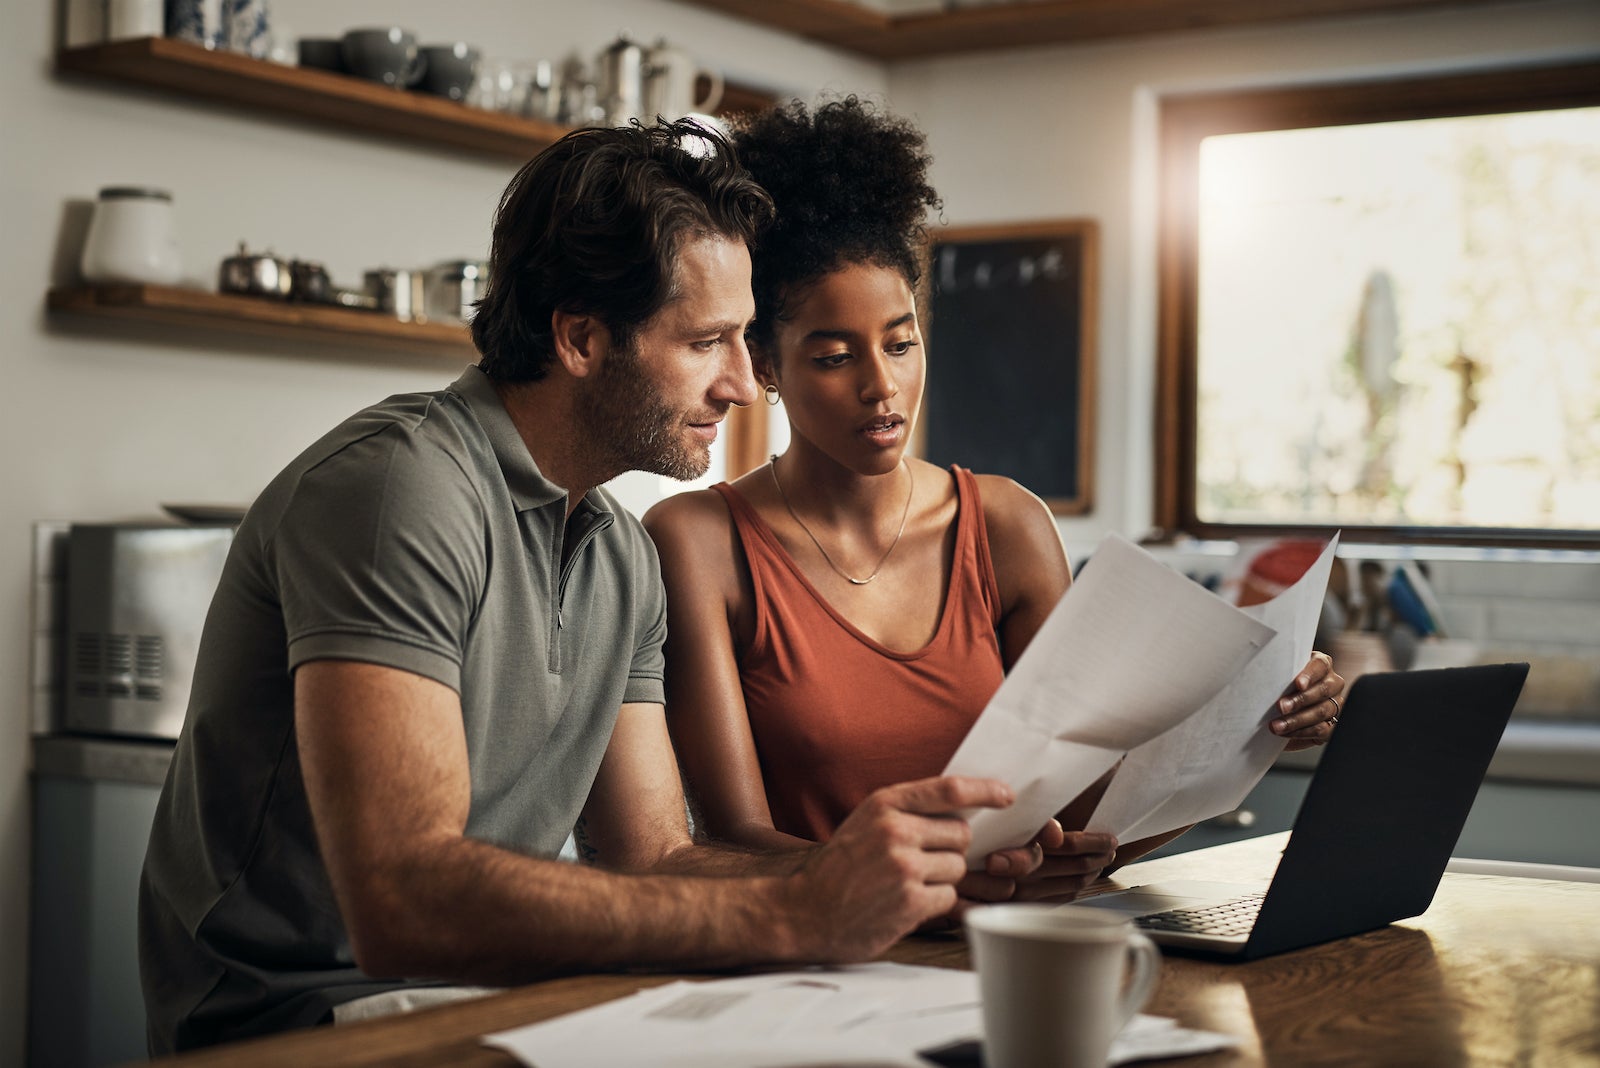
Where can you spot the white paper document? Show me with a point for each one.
(1130, 650)
(870, 1014)
(1209, 762)
(877, 1014)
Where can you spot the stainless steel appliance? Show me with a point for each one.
(137, 595)
(94, 800)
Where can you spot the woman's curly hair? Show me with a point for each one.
(850, 186)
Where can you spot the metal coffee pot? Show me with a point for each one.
(256, 274)
(621, 77)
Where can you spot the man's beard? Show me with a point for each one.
(626, 420)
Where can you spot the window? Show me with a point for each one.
(1380, 310)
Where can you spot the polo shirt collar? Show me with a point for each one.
(529, 488)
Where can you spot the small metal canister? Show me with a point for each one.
(398, 292)
(454, 289)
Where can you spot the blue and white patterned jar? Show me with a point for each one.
(246, 27)
(196, 21)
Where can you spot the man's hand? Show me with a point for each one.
(891, 865)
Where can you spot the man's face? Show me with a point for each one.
(655, 404)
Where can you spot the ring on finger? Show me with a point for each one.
(1333, 720)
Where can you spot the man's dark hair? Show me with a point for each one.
(593, 226)
(850, 185)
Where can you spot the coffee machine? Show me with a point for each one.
(137, 596)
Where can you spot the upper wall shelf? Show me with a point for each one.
(1025, 23)
(229, 313)
(320, 96)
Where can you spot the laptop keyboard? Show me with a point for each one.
(1234, 917)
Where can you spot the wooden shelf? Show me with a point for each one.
(197, 309)
(320, 96)
(1028, 23)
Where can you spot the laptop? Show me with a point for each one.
(1376, 827)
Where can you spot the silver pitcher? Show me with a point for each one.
(621, 78)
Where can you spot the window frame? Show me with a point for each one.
(1185, 121)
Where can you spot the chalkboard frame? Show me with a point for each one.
(1082, 307)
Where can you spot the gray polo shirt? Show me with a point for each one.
(418, 534)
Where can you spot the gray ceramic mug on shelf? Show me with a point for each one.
(321, 53)
(388, 55)
(451, 69)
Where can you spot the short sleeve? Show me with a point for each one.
(380, 557)
(647, 672)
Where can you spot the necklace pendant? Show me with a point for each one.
(911, 491)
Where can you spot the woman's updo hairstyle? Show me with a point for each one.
(850, 187)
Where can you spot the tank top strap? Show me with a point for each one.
(972, 536)
(762, 554)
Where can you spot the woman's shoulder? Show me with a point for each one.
(687, 514)
(1030, 561)
(1007, 504)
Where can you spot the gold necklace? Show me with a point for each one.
(911, 489)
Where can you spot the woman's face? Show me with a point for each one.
(848, 362)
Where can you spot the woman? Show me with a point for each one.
(841, 615)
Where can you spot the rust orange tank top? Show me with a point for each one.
(835, 714)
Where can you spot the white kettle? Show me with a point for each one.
(670, 75)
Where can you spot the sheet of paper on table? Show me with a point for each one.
(866, 1014)
(1210, 761)
(1130, 650)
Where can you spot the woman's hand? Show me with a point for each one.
(1055, 866)
(998, 880)
(1071, 863)
(1310, 710)
(1062, 864)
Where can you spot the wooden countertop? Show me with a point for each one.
(1497, 971)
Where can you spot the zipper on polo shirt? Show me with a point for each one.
(597, 522)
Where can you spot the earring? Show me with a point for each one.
(772, 394)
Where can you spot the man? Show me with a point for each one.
(436, 649)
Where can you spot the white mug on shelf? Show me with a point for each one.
(670, 80)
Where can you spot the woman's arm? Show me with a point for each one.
(709, 598)
(1030, 563)
(1032, 573)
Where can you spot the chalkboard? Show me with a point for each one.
(1010, 337)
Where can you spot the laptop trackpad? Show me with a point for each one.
(1177, 894)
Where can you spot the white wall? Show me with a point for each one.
(100, 424)
(1056, 132)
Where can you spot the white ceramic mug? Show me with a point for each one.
(1058, 982)
(670, 77)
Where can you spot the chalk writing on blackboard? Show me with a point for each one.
(957, 272)
(1010, 358)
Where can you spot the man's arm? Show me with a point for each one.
(635, 818)
(385, 766)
